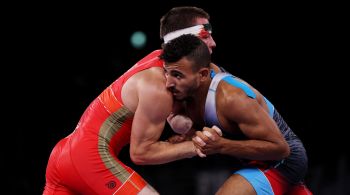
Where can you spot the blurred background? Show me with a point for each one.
(66, 54)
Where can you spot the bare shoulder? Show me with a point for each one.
(152, 83)
(144, 86)
(152, 93)
(257, 93)
(259, 96)
(233, 102)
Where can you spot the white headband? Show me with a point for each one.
(195, 30)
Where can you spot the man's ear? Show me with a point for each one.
(204, 73)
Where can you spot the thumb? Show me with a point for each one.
(217, 129)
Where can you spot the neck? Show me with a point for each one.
(197, 100)
(196, 104)
(214, 67)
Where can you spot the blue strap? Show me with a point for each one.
(232, 80)
(270, 106)
(210, 116)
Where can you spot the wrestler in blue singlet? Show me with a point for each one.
(293, 168)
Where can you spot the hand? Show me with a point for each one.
(207, 141)
(179, 123)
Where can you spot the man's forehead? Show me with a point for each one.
(182, 63)
(173, 66)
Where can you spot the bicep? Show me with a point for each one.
(150, 116)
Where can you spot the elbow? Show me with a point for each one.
(284, 150)
(139, 157)
(280, 151)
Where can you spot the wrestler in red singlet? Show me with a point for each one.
(85, 162)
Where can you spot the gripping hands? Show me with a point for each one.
(206, 141)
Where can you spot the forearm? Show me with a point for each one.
(254, 149)
(162, 152)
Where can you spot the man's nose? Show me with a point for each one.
(169, 83)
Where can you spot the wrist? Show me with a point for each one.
(192, 148)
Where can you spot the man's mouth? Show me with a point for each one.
(173, 90)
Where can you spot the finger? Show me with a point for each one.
(199, 141)
(209, 135)
(217, 129)
(200, 153)
(204, 137)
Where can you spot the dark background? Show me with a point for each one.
(64, 55)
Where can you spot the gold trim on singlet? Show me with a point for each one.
(108, 129)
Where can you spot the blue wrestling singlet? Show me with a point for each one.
(294, 167)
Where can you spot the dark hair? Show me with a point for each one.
(180, 17)
(189, 46)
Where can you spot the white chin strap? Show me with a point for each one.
(195, 30)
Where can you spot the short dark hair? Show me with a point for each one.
(180, 17)
(189, 46)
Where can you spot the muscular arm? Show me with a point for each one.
(264, 140)
(154, 106)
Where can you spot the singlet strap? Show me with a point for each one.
(210, 116)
